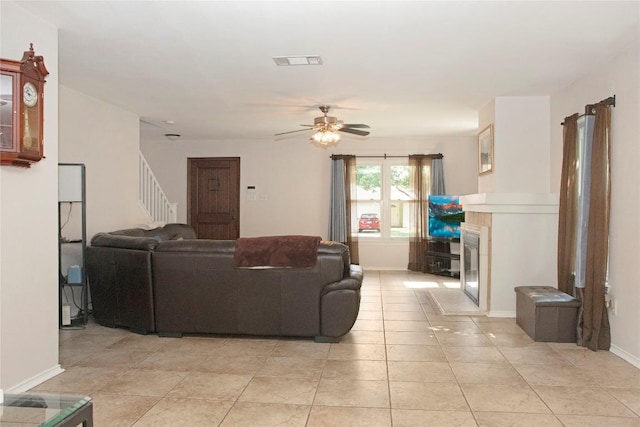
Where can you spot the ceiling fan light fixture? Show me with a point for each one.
(326, 129)
(325, 138)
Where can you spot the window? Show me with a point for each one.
(383, 198)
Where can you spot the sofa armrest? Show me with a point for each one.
(340, 305)
(123, 242)
(355, 272)
(353, 282)
(336, 248)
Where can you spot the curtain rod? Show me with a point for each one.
(385, 156)
(588, 109)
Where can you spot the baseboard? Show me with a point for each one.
(635, 361)
(36, 380)
(495, 313)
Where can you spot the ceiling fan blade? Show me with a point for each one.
(355, 131)
(356, 125)
(291, 131)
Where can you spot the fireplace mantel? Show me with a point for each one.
(543, 203)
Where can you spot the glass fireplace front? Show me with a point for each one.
(471, 247)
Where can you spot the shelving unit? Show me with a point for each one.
(442, 258)
(72, 251)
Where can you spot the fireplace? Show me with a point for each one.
(474, 263)
(471, 247)
(518, 237)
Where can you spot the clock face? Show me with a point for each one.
(29, 94)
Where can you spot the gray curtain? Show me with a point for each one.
(585, 147)
(343, 197)
(337, 218)
(437, 177)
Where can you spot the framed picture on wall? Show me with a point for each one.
(485, 150)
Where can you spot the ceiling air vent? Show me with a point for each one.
(298, 60)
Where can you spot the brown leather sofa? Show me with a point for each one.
(120, 276)
(168, 282)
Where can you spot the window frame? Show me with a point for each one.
(385, 201)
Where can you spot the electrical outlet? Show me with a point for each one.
(610, 304)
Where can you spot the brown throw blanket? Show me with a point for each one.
(276, 251)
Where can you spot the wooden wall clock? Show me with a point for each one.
(21, 109)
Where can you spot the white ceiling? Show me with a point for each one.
(405, 68)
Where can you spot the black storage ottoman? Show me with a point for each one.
(546, 314)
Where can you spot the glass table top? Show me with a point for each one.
(35, 409)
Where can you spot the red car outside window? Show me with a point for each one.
(369, 221)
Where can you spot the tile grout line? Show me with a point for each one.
(391, 284)
(464, 396)
(386, 355)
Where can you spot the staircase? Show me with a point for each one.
(152, 199)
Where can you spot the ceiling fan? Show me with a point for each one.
(169, 136)
(326, 128)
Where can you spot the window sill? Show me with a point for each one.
(383, 241)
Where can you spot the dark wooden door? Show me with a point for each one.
(213, 188)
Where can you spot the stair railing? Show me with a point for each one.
(152, 199)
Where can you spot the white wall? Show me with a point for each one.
(521, 145)
(287, 176)
(618, 76)
(28, 226)
(106, 139)
(523, 252)
(292, 180)
(523, 238)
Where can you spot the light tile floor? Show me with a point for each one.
(403, 364)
